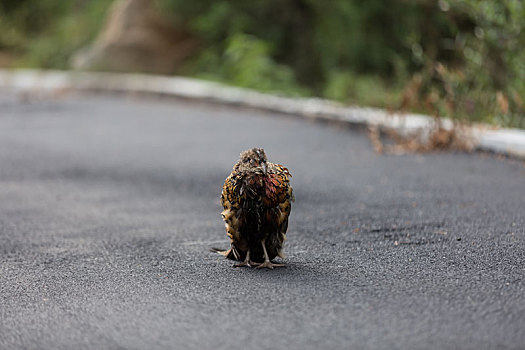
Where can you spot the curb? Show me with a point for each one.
(510, 142)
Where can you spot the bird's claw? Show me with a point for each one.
(268, 265)
(246, 263)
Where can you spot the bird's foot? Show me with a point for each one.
(269, 265)
(248, 263)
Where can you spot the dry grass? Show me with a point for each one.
(436, 138)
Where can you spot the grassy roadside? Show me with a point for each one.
(461, 58)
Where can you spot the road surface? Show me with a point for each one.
(109, 205)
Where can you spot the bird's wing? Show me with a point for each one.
(280, 194)
(231, 203)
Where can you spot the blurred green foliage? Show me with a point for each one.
(246, 62)
(457, 58)
(46, 32)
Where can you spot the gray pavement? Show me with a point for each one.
(110, 204)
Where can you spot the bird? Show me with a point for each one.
(256, 200)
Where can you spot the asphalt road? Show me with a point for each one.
(110, 204)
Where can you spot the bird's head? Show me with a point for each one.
(253, 159)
